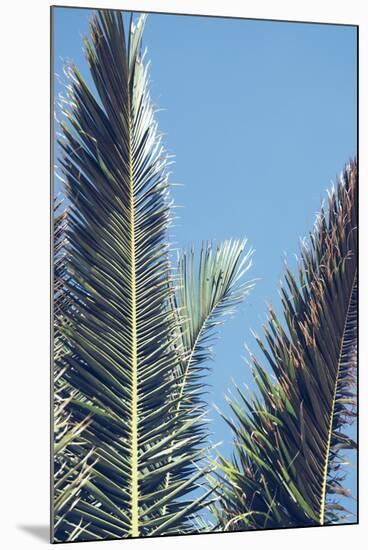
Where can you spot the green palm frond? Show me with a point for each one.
(120, 328)
(287, 468)
(125, 349)
(208, 289)
(205, 296)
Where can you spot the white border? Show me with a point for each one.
(24, 253)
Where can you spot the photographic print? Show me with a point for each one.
(205, 285)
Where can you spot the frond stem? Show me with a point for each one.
(185, 377)
(134, 420)
(330, 431)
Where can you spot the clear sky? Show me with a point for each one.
(261, 117)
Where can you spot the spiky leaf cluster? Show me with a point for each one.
(287, 468)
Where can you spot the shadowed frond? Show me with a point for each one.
(287, 468)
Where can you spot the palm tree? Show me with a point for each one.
(287, 467)
(134, 334)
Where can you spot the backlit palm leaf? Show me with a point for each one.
(287, 465)
(204, 297)
(208, 289)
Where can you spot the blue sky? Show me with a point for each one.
(261, 117)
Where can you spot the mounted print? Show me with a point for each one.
(204, 274)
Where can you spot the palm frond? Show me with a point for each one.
(121, 329)
(287, 468)
(206, 293)
(208, 290)
(205, 296)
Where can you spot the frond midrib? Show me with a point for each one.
(183, 385)
(134, 358)
(332, 413)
